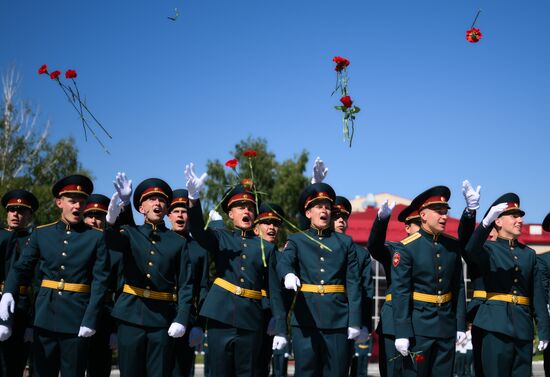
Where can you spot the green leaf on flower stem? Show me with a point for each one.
(341, 108)
(355, 109)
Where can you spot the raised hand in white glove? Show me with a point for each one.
(460, 337)
(114, 209)
(196, 336)
(402, 346)
(29, 335)
(214, 215)
(385, 210)
(292, 281)
(85, 332)
(493, 214)
(471, 195)
(7, 306)
(363, 335)
(113, 341)
(194, 183)
(279, 342)
(5, 333)
(176, 330)
(353, 332)
(542, 345)
(123, 186)
(319, 171)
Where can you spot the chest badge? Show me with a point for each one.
(396, 259)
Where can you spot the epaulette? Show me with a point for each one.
(98, 229)
(411, 238)
(449, 236)
(542, 252)
(45, 225)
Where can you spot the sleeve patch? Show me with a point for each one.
(396, 258)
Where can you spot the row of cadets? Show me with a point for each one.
(543, 261)
(73, 263)
(16, 333)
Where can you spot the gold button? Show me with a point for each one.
(438, 255)
(60, 293)
(320, 238)
(68, 232)
(152, 252)
(147, 287)
(242, 280)
(243, 256)
(244, 245)
(64, 254)
(322, 270)
(435, 243)
(322, 259)
(517, 268)
(150, 263)
(438, 292)
(515, 257)
(65, 242)
(148, 276)
(439, 267)
(515, 292)
(515, 280)
(62, 267)
(512, 248)
(242, 268)
(440, 280)
(153, 242)
(322, 282)
(62, 280)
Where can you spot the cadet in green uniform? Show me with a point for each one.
(155, 304)
(515, 295)
(198, 257)
(543, 260)
(20, 206)
(322, 267)
(74, 266)
(428, 290)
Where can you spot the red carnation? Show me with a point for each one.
(247, 183)
(70, 74)
(250, 153)
(346, 101)
(232, 163)
(419, 358)
(473, 35)
(341, 63)
(55, 74)
(43, 69)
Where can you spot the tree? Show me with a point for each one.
(279, 182)
(27, 159)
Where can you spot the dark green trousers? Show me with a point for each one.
(438, 357)
(319, 352)
(504, 356)
(58, 352)
(389, 363)
(100, 356)
(232, 352)
(14, 351)
(144, 351)
(477, 338)
(184, 356)
(264, 357)
(280, 365)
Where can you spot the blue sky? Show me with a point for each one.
(435, 108)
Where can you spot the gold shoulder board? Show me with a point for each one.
(411, 238)
(45, 225)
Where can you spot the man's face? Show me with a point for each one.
(178, 217)
(319, 214)
(268, 230)
(242, 214)
(509, 226)
(411, 228)
(71, 206)
(434, 219)
(95, 219)
(18, 217)
(340, 222)
(154, 208)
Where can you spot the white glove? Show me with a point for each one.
(194, 183)
(29, 335)
(123, 186)
(542, 345)
(5, 333)
(402, 346)
(196, 336)
(279, 342)
(319, 171)
(471, 195)
(114, 209)
(214, 215)
(176, 330)
(363, 336)
(460, 337)
(113, 341)
(7, 306)
(271, 327)
(353, 332)
(85, 332)
(385, 210)
(292, 281)
(493, 214)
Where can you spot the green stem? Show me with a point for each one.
(257, 209)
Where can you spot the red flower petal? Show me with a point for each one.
(346, 101)
(70, 74)
(419, 358)
(232, 163)
(250, 153)
(341, 63)
(43, 69)
(55, 74)
(247, 183)
(473, 35)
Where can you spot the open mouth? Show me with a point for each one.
(323, 217)
(180, 222)
(76, 213)
(246, 219)
(157, 211)
(271, 233)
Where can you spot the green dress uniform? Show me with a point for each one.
(329, 298)
(233, 306)
(515, 296)
(157, 289)
(74, 265)
(543, 260)
(428, 296)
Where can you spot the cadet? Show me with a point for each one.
(233, 306)
(543, 260)
(321, 266)
(198, 257)
(20, 206)
(427, 270)
(155, 303)
(74, 265)
(514, 288)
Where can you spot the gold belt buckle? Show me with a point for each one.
(514, 299)
(439, 299)
(238, 291)
(321, 289)
(61, 285)
(146, 293)
(174, 297)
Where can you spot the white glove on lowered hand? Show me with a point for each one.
(85, 332)
(176, 330)
(460, 337)
(363, 335)
(353, 332)
(402, 346)
(123, 186)
(471, 195)
(29, 335)
(493, 214)
(319, 171)
(194, 183)
(292, 281)
(7, 306)
(271, 327)
(279, 342)
(5, 333)
(114, 209)
(196, 336)
(113, 341)
(214, 215)
(385, 210)
(542, 345)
